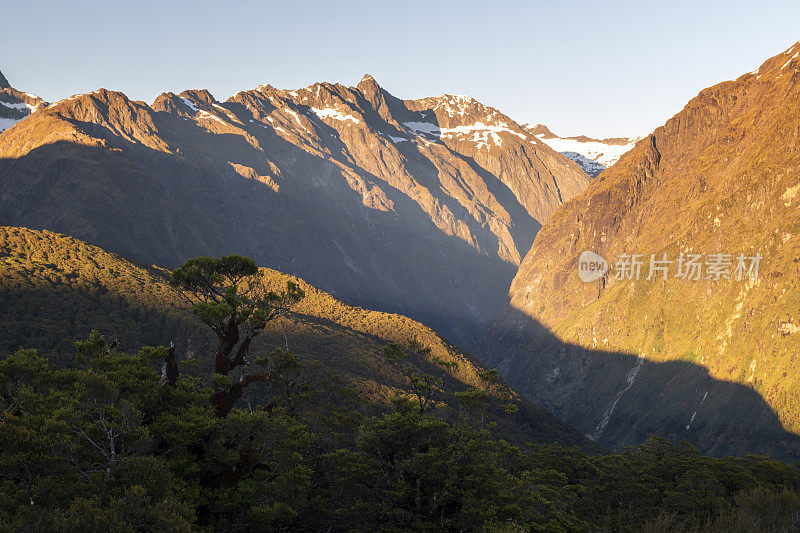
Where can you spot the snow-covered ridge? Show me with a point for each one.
(593, 155)
(481, 127)
(598, 151)
(486, 128)
(481, 133)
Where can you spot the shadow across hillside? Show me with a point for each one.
(163, 208)
(525, 226)
(618, 399)
(49, 306)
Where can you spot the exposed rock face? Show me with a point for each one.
(423, 207)
(16, 105)
(707, 361)
(593, 155)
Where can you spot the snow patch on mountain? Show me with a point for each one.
(190, 105)
(592, 167)
(335, 114)
(598, 151)
(209, 116)
(593, 155)
(6, 123)
(455, 104)
(426, 128)
(19, 106)
(16, 106)
(480, 127)
(481, 133)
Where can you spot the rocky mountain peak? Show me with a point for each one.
(368, 84)
(4, 82)
(381, 101)
(370, 89)
(104, 117)
(539, 130)
(202, 95)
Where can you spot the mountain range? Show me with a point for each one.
(424, 207)
(432, 208)
(682, 356)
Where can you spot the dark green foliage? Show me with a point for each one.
(122, 442)
(105, 447)
(209, 275)
(54, 289)
(425, 386)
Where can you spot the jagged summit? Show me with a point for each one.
(540, 130)
(4, 82)
(370, 89)
(367, 78)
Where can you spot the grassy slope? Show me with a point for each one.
(725, 187)
(720, 176)
(55, 289)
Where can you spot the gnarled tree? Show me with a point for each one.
(228, 295)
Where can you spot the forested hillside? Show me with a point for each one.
(107, 446)
(55, 289)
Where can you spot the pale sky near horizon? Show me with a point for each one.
(604, 69)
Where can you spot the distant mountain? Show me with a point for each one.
(16, 105)
(712, 360)
(55, 289)
(593, 155)
(424, 207)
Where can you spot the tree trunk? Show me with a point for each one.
(227, 342)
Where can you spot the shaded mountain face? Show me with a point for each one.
(593, 155)
(16, 105)
(55, 289)
(711, 361)
(417, 206)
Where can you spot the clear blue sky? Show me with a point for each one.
(600, 68)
